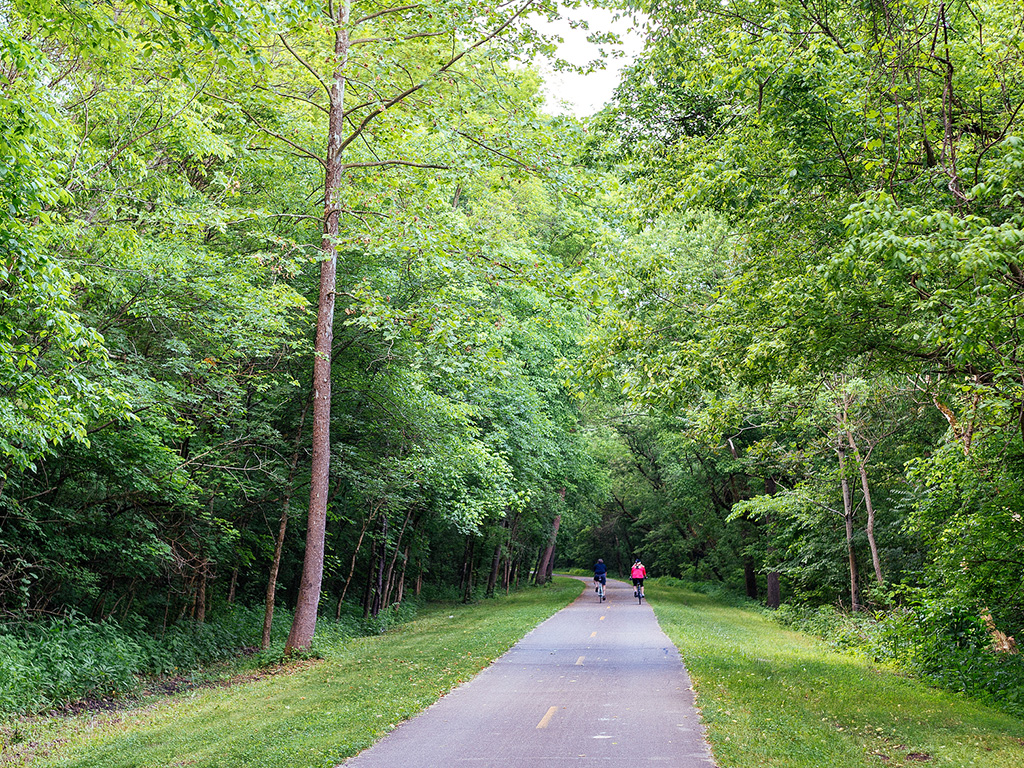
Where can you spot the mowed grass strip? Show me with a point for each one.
(773, 697)
(326, 711)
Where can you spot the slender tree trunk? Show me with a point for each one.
(401, 579)
(773, 594)
(492, 578)
(862, 466)
(536, 565)
(282, 527)
(389, 577)
(275, 565)
(376, 604)
(469, 566)
(848, 516)
(509, 553)
(304, 622)
(352, 564)
(464, 569)
(368, 586)
(547, 557)
(201, 594)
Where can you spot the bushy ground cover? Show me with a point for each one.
(311, 713)
(773, 696)
(54, 664)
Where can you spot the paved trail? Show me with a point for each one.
(597, 684)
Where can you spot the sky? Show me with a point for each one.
(585, 94)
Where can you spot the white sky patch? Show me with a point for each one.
(585, 94)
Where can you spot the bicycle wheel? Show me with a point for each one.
(639, 595)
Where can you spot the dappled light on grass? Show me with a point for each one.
(775, 697)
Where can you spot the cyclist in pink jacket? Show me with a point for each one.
(638, 574)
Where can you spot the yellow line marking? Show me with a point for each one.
(593, 634)
(579, 661)
(547, 717)
(601, 619)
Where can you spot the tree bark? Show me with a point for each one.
(401, 578)
(848, 516)
(547, 557)
(492, 579)
(275, 565)
(377, 604)
(304, 622)
(862, 466)
(201, 594)
(389, 577)
(773, 594)
(352, 565)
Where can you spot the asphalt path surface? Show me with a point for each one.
(597, 684)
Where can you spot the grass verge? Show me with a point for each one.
(773, 697)
(316, 716)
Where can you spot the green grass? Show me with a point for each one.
(773, 697)
(314, 717)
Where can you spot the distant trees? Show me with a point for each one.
(820, 283)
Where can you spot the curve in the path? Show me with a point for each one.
(597, 684)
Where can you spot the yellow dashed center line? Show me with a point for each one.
(547, 717)
(579, 661)
(593, 634)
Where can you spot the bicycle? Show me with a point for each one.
(638, 593)
(600, 592)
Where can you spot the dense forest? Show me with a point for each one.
(316, 307)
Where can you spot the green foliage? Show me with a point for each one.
(46, 351)
(771, 695)
(936, 639)
(51, 664)
(970, 515)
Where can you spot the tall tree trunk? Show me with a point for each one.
(537, 564)
(282, 527)
(401, 578)
(464, 568)
(509, 553)
(848, 517)
(492, 578)
(304, 621)
(750, 578)
(862, 466)
(547, 557)
(368, 586)
(389, 576)
(376, 604)
(773, 593)
(201, 594)
(469, 567)
(352, 564)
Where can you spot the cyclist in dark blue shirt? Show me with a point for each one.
(600, 572)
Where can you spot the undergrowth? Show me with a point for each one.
(54, 664)
(941, 642)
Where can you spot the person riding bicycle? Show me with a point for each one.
(638, 573)
(600, 573)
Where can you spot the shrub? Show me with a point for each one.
(50, 664)
(937, 640)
